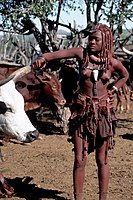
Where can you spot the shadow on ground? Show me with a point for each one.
(127, 136)
(24, 189)
(49, 128)
(125, 123)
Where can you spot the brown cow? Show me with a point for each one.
(35, 87)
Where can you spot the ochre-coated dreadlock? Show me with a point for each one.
(107, 37)
(107, 43)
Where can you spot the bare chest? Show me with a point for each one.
(96, 72)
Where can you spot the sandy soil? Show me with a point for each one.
(43, 169)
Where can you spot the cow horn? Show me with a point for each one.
(127, 51)
(17, 74)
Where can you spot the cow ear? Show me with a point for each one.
(3, 107)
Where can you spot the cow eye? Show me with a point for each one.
(9, 110)
(20, 84)
(54, 87)
(3, 107)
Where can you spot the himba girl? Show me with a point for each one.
(92, 122)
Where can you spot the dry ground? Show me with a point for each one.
(43, 170)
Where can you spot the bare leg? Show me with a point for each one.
(80, 147)
(103, 170)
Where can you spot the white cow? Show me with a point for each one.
(14, 123)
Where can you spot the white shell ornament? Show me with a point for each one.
(95, 74)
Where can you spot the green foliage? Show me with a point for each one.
(73, 5)
(117, 12)
(12, 11)
(114, 12)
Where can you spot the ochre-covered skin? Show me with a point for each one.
(92, 122)
(114, 66)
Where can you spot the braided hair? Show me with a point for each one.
(107, 43)
(107, 36)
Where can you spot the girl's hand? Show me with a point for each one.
(38, 63)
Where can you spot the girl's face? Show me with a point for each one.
(95, 42)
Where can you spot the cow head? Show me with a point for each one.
(51, 87)
(39, 89)
(14, 123)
